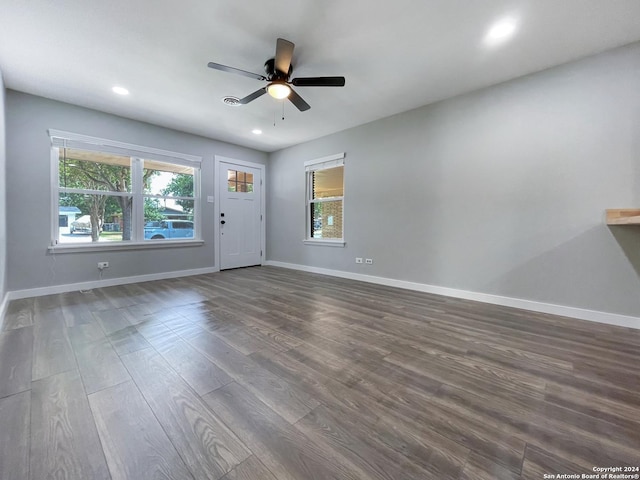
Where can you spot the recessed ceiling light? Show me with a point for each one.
(256, 131)
(120, 90)
(501, 31)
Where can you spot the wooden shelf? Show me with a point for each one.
(623, 216)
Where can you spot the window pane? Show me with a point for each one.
(159, 210)
(168, 229)
(154, 212)
(231, 175)
(328, 183)
(231, 185)
(167, 179)
(94, 218)
(326, 219)
(94, 170)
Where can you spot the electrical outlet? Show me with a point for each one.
(358, 259)
(103, 265)
(369, 261)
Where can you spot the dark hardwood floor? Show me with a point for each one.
(271, 374)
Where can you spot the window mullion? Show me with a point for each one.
(197, 217)
(309, 205)
(137, 188)
(55, 197)
(169, 197)
(84, 191)
(326, 199)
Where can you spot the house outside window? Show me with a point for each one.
(325, 200)
(115, 190)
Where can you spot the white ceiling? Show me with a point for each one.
(395, 56)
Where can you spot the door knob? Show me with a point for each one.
(222, 222)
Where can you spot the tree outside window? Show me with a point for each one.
(103, 188)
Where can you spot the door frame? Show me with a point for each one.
(218, 159)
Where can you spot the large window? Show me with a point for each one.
(121, 193)
(325, 200)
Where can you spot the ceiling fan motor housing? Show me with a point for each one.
(273, 74)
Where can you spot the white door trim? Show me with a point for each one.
(216, 210)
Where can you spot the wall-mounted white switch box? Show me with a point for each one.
(358, 259)
(369, 261)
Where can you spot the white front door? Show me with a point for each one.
(240, 219)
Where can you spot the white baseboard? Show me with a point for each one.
(73, 287)
(574, 312)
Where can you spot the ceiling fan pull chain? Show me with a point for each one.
(282, 109)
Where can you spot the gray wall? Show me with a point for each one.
(499, 191)
(28, 193)
(3, 201)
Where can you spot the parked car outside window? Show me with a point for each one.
(158, 230)
(81, 225)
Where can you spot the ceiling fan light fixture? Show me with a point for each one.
(279, 90)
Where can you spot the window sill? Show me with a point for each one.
(102, 247)
(326, 243)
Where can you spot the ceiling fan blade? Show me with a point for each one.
(224, 68)
(253, 96)
(319, 82)
(284, 53)
(298, 101)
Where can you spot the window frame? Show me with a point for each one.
(137, 154)
(324, 163)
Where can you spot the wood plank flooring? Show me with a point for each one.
(271, 374)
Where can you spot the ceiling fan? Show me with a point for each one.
(278, 71)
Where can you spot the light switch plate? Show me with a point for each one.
(209, 199)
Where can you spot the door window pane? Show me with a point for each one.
(239, 181)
